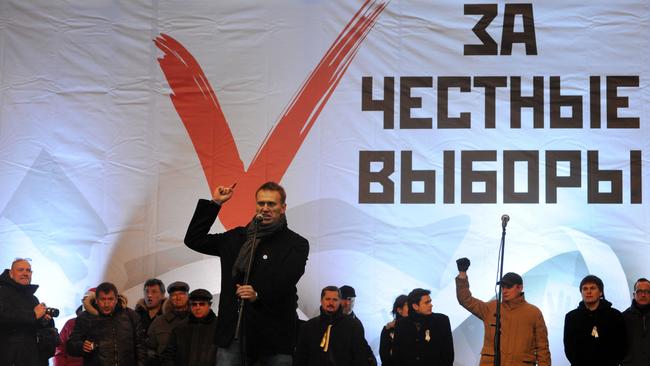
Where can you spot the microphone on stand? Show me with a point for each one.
(504, 220)
(259, 217)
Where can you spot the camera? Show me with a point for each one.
(53, 312)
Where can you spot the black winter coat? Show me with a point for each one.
(18, 324)
(117, 338)
(581, 345)
(386, 341)
(270, 321)
(423, 340)
(347, 346)
(193, 343)
(637, 323)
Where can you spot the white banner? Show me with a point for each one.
(401, 130)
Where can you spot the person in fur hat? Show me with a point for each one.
(107, 331)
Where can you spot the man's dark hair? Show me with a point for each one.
(154, 282)
(596, 281)
(399, 302)
(330, 288)
(642, 279)
(272, 186)
(106, 287)
(415, 296)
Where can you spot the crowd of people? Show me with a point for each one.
(257, 323)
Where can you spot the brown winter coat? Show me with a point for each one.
(524, 338)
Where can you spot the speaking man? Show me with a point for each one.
(270, 297)
(524, 338)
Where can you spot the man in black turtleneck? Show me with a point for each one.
(330, 338)
(594, 333)
(637, 323)
(423, 337)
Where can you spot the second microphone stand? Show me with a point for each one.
(497, 331)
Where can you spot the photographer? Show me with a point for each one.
(27, 333)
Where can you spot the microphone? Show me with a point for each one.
(504, 220)
(259, 217)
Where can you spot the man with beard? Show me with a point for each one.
(594, 333)
(193, 343)
(269, 299)
(175, 312)
(107, 333)
(637, 323)
(22, 316)
(423, 338)
(332, 338)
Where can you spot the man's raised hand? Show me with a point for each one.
(222, 194)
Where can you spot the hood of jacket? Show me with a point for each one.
(6, 280)
(90, 306)
(602, 305)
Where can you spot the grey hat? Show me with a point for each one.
(178, 286)
(201, 294)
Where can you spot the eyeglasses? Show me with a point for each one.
(642, 292)
(198, 303)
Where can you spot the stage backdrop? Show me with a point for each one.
(402, 130)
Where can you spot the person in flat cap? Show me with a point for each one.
(524, 337)
(194, 343)
(348, 297)
(594, 333)
(175, 312)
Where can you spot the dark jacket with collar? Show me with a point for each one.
(386, 342)
(143, 313)
(423, 340)
(192, 343)
(345, 345)
(637, 324)
(372, 360)
(594, 337)
(116, 336)
(161, 329)
(269, 322)
(18, 324)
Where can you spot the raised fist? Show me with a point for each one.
(462, 264)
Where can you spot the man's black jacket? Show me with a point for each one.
(280, 259)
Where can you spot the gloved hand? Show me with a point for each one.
(462, 264)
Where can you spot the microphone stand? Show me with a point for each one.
(497, 331)
(240, 311)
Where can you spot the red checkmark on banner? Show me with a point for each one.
(199, 109)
